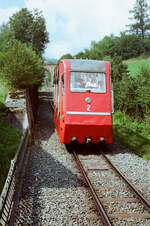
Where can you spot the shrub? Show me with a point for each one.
(142, 92)
(119, 69)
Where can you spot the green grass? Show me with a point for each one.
(135, 64)
(9, 142)
(134, 135)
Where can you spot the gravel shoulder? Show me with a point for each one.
(136, 169)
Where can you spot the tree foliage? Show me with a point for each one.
(6, 37)
(30, 28)
(21, 67)
(66, 56)
(141, 17)
(142, 92)
(80, 55)
(118, 69)
(126, 45)
(132, 95)
(22, 42)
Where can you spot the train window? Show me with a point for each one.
(62, 85)
(83, 81)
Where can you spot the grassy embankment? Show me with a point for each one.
(134, 135)
(9, 141)
(135, 64)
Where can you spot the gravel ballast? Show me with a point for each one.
(136, 169)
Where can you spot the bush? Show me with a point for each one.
(124, 98)
(142, 93)
(119, 69)
(132, 94)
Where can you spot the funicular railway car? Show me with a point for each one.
(83, 101)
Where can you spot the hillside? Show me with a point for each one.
(135, 64)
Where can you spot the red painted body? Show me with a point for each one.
(73, 116)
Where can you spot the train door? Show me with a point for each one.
(55, 90)
(61, 96)
(56, 110)
(61, 109)
(112, 96)
(58, 92)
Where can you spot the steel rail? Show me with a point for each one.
(98, 203)
(132, 188)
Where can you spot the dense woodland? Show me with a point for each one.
(132, 94)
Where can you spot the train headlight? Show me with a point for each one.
(102, 139)
(74, 139)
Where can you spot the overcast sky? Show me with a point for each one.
(73, 24)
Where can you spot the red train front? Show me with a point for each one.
(83, 101)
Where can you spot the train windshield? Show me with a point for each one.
(87, 81)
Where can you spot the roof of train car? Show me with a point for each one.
(87, 65)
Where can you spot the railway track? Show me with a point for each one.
(117, 201)
(97, 201)
(111, 191)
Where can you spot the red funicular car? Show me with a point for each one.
(83, 101)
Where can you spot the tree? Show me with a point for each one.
(79, 55)
(21, 67)
(129, 46)
(141, 16)
(104, 47)
(30, 28)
